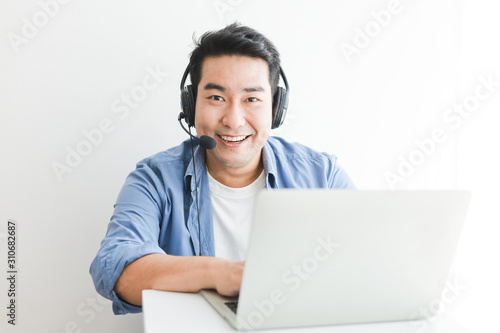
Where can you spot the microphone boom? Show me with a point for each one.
(204, 141)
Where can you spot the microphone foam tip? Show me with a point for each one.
(207, 142)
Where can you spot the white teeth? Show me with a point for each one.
(233, 138)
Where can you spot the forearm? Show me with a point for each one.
(175, 273)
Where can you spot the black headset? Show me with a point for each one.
(188, 101)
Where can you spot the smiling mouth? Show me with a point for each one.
(234, 139)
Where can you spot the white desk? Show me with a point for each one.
(184, 312)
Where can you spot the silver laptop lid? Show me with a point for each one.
(319, 257)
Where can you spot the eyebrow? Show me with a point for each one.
(215, 86)
(252, 89)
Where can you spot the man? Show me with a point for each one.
(178, 229)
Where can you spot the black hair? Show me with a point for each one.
(234, 39)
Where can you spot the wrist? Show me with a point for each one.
(213, 270)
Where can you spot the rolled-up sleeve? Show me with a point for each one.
(132, 232)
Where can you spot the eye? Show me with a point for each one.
(216, 98)
(252, 99)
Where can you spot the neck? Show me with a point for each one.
(234, 177)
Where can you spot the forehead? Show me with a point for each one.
(234, 69)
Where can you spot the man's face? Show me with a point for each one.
(234, 106)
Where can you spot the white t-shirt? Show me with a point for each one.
(233, 210)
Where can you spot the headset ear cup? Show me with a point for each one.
(279, 108)
(188, 104)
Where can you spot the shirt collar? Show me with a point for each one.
(268, 159)
(199, 161)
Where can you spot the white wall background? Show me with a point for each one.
(66, 66)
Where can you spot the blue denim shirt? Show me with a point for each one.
(156, 209)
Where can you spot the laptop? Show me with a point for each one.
(326, 257)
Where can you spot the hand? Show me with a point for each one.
(228, 278)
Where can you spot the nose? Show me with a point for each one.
(234, 116)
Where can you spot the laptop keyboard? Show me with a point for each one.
(232, 305)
